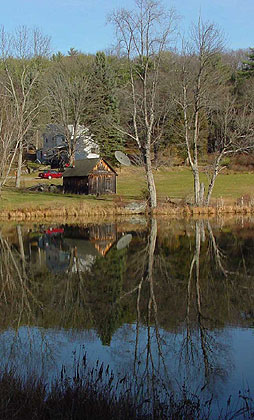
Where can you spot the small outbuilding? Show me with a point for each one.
(90, 176)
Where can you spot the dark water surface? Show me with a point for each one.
(166, 303)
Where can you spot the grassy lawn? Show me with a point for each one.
(176, 183)
(233, 186)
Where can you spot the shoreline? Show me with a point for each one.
(77, 212)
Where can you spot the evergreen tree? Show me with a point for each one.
(104, 109)
(248, 65)
(57, 57)
(109, 312)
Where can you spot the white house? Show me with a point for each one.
(54, 143)
(86, 147)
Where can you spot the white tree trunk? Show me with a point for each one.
(150, 180)
(196, 186)
(19, 167)
(213, 178)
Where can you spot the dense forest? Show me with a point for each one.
(158, 103)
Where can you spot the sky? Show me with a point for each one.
(82, 24)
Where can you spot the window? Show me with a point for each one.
(108, 184)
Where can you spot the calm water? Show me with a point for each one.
(159, 300)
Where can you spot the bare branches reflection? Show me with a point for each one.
(157, 309)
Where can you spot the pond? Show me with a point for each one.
(167, 303)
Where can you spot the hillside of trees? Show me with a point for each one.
(158, 104)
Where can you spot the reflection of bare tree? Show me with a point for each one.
(153, 371)
(73, 295)
(19, 304)
(194, 274)
(21, 249)
(204, 341)
(15, 283)
(217, 254)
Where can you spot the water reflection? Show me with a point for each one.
(71, 248)
(201, 347)
(161, 300)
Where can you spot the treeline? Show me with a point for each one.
(145, 97)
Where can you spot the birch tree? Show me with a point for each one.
(234, 134)
(143, 35)
(8, 143)
(20, 75)
(199, 81)
(206, 92)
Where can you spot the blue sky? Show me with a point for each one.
(82, 23)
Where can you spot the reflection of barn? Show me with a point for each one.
(101, 236)
(90, 176)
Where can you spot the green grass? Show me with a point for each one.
(233, 186)
(12, 199)
(179, 184)
(131, 182)
(176, 183)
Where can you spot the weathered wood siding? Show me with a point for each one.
(76, 185)
(101, 183)
(102, 180)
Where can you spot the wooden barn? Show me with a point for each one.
(90, 176)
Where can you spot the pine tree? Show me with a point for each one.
(248, 65)
(104, 109)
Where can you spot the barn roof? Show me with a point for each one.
(84, 167)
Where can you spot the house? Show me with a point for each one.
(86, 147)
(55, 147)
(90, 176)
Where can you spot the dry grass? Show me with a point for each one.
(117, 208)
(62, 214)
(99, 395)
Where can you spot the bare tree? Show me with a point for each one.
(143, 35)
(68, 95)
(235, 127)
(8, 144)
(206, 94)
(200, 81)
(20, 74)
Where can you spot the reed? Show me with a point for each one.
(97, 394)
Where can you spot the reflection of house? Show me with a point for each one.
(72, 248)
(57, 260)
(84, 254)
(55, 146)
(57, 254)
(90, 176)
